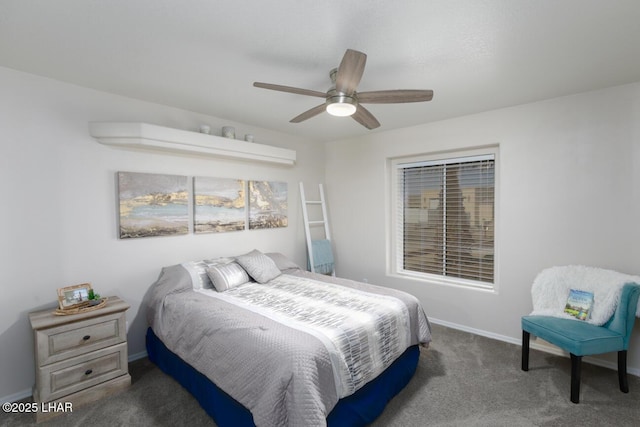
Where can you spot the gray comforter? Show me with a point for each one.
(278, 358)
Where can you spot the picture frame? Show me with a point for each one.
(72, 297)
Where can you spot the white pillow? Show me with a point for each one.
(227, 276)
(259, 266)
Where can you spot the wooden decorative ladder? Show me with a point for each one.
(324, 221)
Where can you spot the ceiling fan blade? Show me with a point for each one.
(365, 118)
(308, 114)
(350, 71)
(395, 96)
(290, 89)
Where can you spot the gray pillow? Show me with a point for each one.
(259, 266)
(282, 262)
(227, 276)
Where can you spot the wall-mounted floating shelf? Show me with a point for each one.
(159, 138)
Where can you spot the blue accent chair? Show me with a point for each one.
(584, 339)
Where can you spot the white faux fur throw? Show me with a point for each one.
(550, 290)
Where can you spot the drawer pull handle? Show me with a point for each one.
(88, 372)
(86, 337)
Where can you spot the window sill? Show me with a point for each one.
(445, 281)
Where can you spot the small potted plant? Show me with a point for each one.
(94, 298)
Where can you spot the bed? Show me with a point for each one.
(259, 341)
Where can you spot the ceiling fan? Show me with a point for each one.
(342, 99)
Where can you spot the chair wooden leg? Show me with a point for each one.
(576, 363)
(622, 371)
(525, 350)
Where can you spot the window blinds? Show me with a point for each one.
(446, 217)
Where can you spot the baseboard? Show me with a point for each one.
(16, 396)
(137, 356)
(475, 331)
(545, 347)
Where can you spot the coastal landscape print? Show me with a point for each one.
(152, 204)
(219, 204)
(267, 204)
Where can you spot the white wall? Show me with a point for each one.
(569, 193)
(58, 215)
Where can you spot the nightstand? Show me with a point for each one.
(80, 358)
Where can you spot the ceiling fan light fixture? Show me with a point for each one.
(341, 105)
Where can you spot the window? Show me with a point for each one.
(444, 218)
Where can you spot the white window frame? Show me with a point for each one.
(395, 238)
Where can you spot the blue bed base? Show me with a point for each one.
(359, 409)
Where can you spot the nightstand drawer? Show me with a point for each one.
(63, 342)
(72, 375)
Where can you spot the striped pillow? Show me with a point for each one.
(227, 276)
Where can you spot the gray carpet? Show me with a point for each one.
(462, 379)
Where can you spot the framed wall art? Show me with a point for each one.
(219, 205)
(152, 205)
(268, 205)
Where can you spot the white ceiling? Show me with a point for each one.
(204, 55)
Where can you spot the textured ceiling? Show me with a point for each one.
(204, 55)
